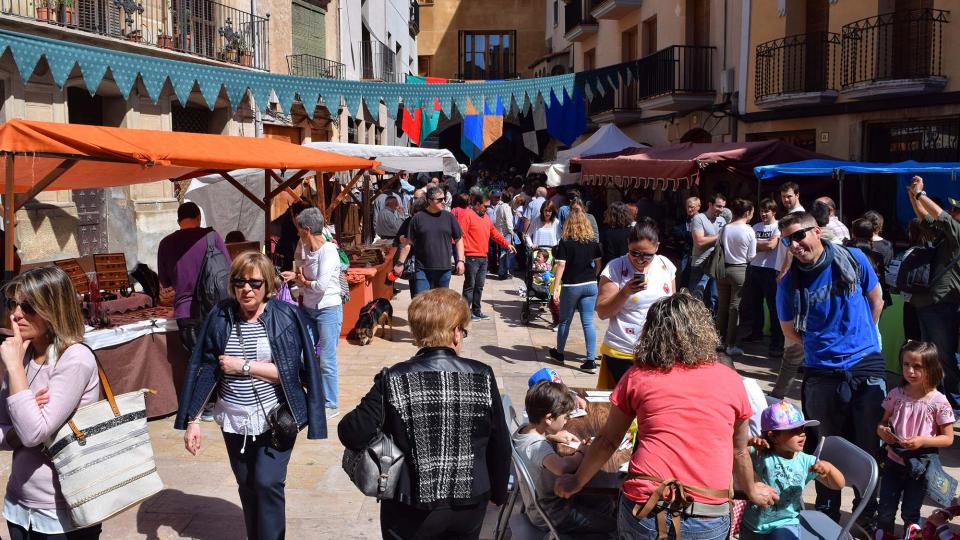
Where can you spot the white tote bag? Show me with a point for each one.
(104, 458)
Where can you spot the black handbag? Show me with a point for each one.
(283, 426)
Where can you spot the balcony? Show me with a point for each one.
(378, 62)
(198, 27)
(614, 9)
(797, 71)
(307, 65)
(579, 22)
(678, 78)
(619, 107)
(894, 54)
(414, 18)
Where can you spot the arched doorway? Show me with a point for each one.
(697, 135)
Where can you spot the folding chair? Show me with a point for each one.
(503, 517)
(859, 471)
(519, 524)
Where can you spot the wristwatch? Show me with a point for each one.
(919, 194)
(246, 368)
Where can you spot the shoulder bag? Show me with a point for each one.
(376, 469)
(103, 456)
(715, 265)
(283, 426)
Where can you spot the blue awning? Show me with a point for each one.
(826, 167)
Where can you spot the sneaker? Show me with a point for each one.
(913, 531)
(556, 355)
(207, 415)
(589, 366)
(553, 327)
(332, 412)
(479, 317)
(734, 351)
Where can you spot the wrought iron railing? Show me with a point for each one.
(625, 98)
(794, 64)
(307, 65)
(577, 13)
(890, 46)
(199, 27)
(680, 68)
(378, 62)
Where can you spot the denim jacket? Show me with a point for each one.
(293, 353)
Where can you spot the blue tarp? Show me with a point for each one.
(825, 167)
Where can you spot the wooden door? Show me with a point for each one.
(816, 49)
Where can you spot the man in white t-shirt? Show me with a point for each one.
(839, 230)
(705, 230)
(532, 210)
(761, 284)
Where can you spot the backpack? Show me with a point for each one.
(914, 272)
(212, 281)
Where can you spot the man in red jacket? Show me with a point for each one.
(477, 231)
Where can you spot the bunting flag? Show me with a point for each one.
(431, 119)
(412, 124)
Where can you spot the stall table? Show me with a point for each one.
(609, 478)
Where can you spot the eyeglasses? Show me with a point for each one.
(254, 284)
(641, 255)
(796, 236)
(437, 199)
(25, 307)
(464, 333)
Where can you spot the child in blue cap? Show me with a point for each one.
(779, 462)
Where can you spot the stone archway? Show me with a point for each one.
(697, 135)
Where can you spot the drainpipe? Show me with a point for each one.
(744, 58)
(257, 116)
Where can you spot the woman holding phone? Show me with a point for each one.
(628, 286)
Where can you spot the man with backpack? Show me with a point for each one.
(193, 268)
(936, 294)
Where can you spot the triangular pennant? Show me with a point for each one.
(60, 68)
(124, 78)
(236, 88)
(153, 78)
(182, 85)
(286, 95)
(210, 90)
(446, 105)
(373, 107)
(26, 55)
(93, 71)
(260, 90)
(351, 101)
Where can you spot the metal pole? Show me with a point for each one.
(267, 203)
(839, 174)
(365, 208)
(9, 214)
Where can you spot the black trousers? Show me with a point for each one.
(261, 472)
(399, 521)
(87, 533)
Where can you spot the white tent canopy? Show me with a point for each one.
(398, 158)
(606, 140)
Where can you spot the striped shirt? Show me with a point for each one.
(237, 410)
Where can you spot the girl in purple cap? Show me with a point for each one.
(779, 462)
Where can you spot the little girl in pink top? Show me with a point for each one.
(917, 420)
(47, 373)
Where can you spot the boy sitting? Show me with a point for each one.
(548, 405)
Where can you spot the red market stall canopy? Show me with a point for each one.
(39, 156)
(680, 165)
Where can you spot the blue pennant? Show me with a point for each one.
(210, 83)
(182, 86)
(93, 73)
(60, 68)
(153, 77)
(124, 78)
(26, 55)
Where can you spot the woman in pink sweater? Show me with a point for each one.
(47, 373)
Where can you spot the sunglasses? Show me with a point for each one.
(254, 284)
(438, 199)
(796, 236)
(641, 255)
(25, 307)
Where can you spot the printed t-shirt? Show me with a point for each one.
(767, 259)
(432, 236)
(685, 421)
(840, 329)
(580, 261)
(533, 449)
(788, 477)
(625, 326)
(701, 222)
(916, 417)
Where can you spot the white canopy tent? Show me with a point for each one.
(606, 140)
(398, 158)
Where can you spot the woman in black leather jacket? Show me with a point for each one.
(256, 354)
(445, 413)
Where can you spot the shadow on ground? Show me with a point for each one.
(519, 353)
(174, 509)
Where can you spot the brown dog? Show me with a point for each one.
(378, 313)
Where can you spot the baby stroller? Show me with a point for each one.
(538, 282)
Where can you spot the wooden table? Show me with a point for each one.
(609, 478)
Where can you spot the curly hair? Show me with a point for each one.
(617, 216)
(678, 330)
(577, 227)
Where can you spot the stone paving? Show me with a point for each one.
(200, 499)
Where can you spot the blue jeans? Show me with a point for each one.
(432, 279)
(691, 528)
(582, 298)
(939, 323)
(261, 473)
(898, 488)
(704, 286)
(787, 532)
(327, 323)
(856, 422)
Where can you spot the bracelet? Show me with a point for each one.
(196, 420)
(919, 194)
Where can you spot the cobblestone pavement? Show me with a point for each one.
(200, 499)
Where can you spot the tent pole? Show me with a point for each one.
(267, 203)
(9, 214)
(367, 227)
(839, 175)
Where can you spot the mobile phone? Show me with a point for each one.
(640, 277)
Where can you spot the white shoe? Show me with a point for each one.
(734, 351)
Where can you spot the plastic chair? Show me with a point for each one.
(859, 471)
(520, 526)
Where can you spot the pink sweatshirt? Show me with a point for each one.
(73, 382)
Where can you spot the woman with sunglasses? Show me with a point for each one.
(256, 354)
(445, 413)
(629, 285)
(48, 374)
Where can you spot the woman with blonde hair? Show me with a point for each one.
(445, 413)
(255, 352)
(679, 441)
(48, 374)
(577, 257)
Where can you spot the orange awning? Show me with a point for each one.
(108, 157)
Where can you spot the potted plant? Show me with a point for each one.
(244, 54)
(134, 35)
(46, 11)
(164, 41)
(69, 12)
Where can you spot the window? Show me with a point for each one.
(589, 59)
(488, 55)
(556, 13)
(423, 66)
(650, 36)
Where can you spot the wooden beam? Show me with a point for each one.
(266, 211)
(195, 174)
(9, 215)
(286, 184)
(52, 176)
(242, 189)
(343, 194)
(322, 180)
(366, 220)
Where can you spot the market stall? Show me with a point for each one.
(606, 140)
(39, 156)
